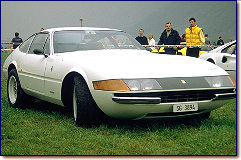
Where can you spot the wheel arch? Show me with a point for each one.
(13, 65)
(211, 60)
(67, 86)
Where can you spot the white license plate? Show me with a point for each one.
(187, 107)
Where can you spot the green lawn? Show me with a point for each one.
(45, 129)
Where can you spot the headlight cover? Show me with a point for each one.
(220, 81)
(142, 84)
(127, 85)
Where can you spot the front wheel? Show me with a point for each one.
(15, 93)
(85, 110)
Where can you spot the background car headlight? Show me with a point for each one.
(220, 81)
(142, 84)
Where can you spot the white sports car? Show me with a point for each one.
(100, 71)
(223, 56)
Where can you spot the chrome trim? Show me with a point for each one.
(224, 96)
(137, 100)
(157, 100)
(187, 89)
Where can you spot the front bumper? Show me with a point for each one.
(157, 100)
(146, 105)
(224, 96)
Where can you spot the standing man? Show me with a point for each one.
(220, 41)
(194, 36)
(16, 40)
(142, 39)
(169, 37)
(207, 41)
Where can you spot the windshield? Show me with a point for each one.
(230, 49)
(69, 41)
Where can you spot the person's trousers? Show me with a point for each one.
(170, 51)
(193, 52)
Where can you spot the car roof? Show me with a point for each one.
(79, 29)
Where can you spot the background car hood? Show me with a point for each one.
(127, 64)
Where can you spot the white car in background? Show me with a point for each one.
(98, 71)
(223, 56)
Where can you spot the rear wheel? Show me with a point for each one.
(16, 96)
(85, 110)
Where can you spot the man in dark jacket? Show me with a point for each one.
(169, 37)
(220, 41)
(142, 39)
(16, 41)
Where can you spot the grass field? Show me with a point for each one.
(45, 129)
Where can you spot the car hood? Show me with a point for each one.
(127, 64)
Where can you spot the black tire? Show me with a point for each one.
(85, 110)
(16, 96)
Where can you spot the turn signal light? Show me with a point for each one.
(111, 85)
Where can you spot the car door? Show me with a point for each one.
(32, 65)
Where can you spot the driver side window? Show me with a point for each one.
(25, 45)
(38, 42)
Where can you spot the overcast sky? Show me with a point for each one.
(216, 18)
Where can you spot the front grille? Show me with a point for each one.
(179, 96)
(185, 96)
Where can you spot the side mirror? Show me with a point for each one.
(39, 52)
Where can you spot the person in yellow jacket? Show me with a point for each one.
(194, 36)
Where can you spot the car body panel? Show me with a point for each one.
(151, 65)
